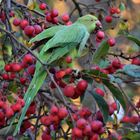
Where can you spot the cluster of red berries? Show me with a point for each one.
(55, 116)
(29, 30)
(115, 65)
(52, 120)
(133, 119)
(86, 126)
(52, 16)
(75, 91)
(12, 68)
(112, 11)
(101, 35)
(7, 111)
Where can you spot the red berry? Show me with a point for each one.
(100, 35)
(7, 68)
(116, 63)
(9, 112)
(81, 123)
(87, 130)
(29, 30)
(125, 119)
(54, 13)
(26, 124)
(21, 102)
(31, 69)
(65, 17)
(2, 16)
(24, 23)
(12, 76)
(22, 80)
(82, 85)
(112, 10)
(136, 61)
(108, 19)
(54, 110)
(55, 119)
(42, 6)
(69, 91)
(118, 11)
(111, 110)
(2, 115)
(16, 22)
(46, 120)
(96, 125)
(28, 58)
(55, 20)
(68, 59)
(11, 14)
(62, 113)
(111, 42)
(5, 76)
(45, 136)
(134, 119)
(60, 74)
(77, 133)
(68, 71)
(2, 104)
(38, 29)
(16, 67)
(95, 137)
(114, 105)
(100, 92)
(49, 18)
(16, 107)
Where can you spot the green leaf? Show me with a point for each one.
(94, 74)
(131, 70)
(103, 63)
(88, 101)
(10, 98)
(122, 6)
(134, 39)
(101, 52)
(132, 136)
(103, 106)
(116, 93)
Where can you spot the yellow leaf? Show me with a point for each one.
(31, 4)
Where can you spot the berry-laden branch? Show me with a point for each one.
(26, 8)
(55, 106)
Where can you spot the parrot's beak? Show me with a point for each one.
(98, 25)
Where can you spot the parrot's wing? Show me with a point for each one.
(47, 33)
(71, 35)
(83, 43)
(60, 52)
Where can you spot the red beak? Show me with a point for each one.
(98, 24)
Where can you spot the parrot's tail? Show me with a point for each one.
(33, 89)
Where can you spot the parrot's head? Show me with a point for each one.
(91, 22)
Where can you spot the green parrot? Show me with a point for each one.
(63, 39)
